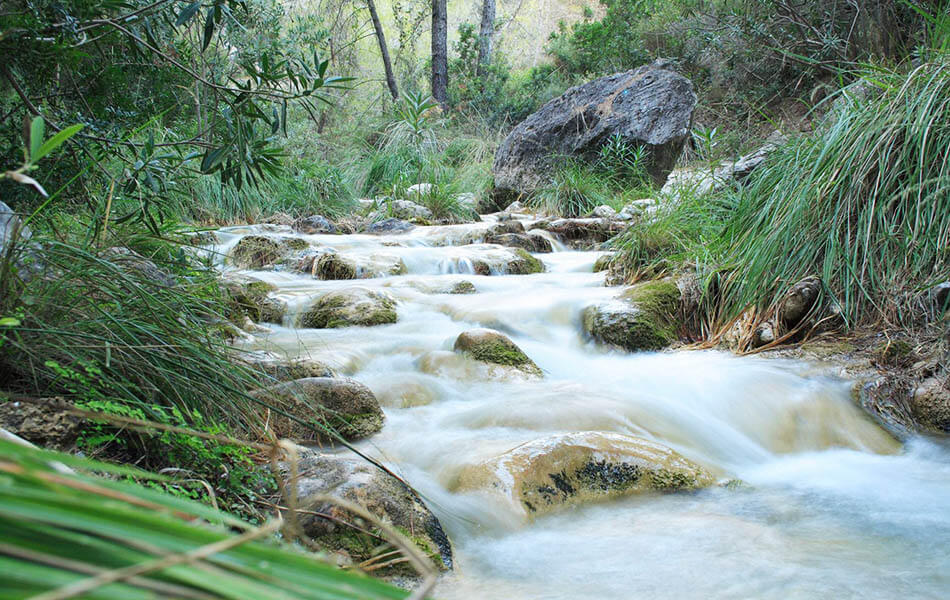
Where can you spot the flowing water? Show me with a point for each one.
(830, 505)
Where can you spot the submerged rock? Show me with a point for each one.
(549, 474)
(649, 106)
(462, 287)
(251, 298)
(340, 403)
(348, 307)
(644, 317)
(355, 480)
(256, 252)
(490, 346)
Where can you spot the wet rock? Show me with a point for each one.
(798, 301)
(584, 233)
(128, 259)
(552, 473)
(531, 242)
(251, 298)
(390, 225)
(348, 307)
(314, 224)
(344, 405)
(43, 422)
(604, 212)
(462, 287)
(930, 405)
(284, 369)
(492, 347)
(256, 252)
(355, 480)
(650, 106)
(763, 334)
(524, 264)
(888, 401)
(332, 266)
(645, 317)
(510, 226)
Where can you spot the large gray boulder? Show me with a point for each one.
(650, 106)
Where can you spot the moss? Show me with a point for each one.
(649, 324)
(895, 353)
(666, 480)
(525, 264)
(329, 313)
(294, 243)
(463, 287)
(359, 425)
(499, 353)
(604, 476)
(252, 300)
(333, 267)
(255, 252)
(602, 263)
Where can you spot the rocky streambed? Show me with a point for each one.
(554, 457)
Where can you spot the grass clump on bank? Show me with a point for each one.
(864, 204)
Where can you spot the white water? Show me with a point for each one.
(832, 507)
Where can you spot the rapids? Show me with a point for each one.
(829, 505)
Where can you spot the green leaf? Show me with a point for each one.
(56, 141)
(37, 130)
(209, 29)
(9, 322)
(187, 13)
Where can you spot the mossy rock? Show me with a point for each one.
(645, 317)
(251, 298)
(603, 263)
(355, 306)
(294, 244)
(256, 252)
(524, 263)
(492, 347)
(462, 287)
(549, 474)
(387, 498)
(342, 404)
(332, 266)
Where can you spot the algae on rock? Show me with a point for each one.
(644, 317)
(492, 347)
(350, 306)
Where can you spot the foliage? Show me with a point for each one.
(68, 530)
(217, 75)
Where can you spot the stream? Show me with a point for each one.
(830, 506)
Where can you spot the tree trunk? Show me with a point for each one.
(383, 49)
(440, 59)
(485, 34)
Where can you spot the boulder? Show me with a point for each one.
(348, 307)
(489, 346)
(401, 209)
(604, 212)
(523, 264)
(531, 242)
(278, 218)
(314, 224)
(510, 226)
(332, 266)
(645, 317)
(637, 209)
(256, 252)
(355, 480)
(340, 403)
(552, 473)
(650, 106)
(390, 225)
(251, 298)
(798, 301)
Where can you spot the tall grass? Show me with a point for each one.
(865, 205)
(69, 534)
